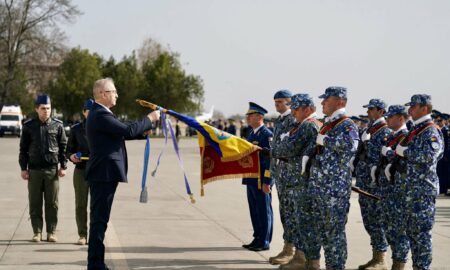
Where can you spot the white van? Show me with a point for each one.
(11, 120)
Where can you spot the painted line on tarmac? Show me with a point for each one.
(118, 258)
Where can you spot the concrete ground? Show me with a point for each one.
(168, 232)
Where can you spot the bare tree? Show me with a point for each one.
(30, 37)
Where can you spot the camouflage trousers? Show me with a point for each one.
(329, 217)
(394, 218)
(282, 204)
(421, 211)
(371, 211)
(292, 219)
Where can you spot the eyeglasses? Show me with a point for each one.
(112, 91)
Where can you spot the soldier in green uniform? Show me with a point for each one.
(78, 148)
(42, 148)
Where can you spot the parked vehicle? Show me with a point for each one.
(11, 120)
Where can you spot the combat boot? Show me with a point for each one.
(378, 261)
(396, 265)
(284, 256)
(313, 265)
(51, 237)
(297, 263)
(37, 237)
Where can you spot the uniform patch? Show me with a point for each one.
(267, 173)
(434, 139)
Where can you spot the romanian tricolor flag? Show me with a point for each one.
(223, 156)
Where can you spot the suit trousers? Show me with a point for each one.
(102, 196)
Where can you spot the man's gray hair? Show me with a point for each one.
(101, 85)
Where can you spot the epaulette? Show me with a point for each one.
(57, 120)
(28, 121)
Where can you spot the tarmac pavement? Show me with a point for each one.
(168, 232)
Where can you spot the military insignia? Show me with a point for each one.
(434, 139)
(266, 173)
(385, 139)
(208, 164)
(246, 162)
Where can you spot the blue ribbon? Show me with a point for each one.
(180, 161)
(144, 195)
(164, 124)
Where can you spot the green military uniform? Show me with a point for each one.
(42, 147)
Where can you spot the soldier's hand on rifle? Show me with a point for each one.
(365, 136)
(154, 116)
(372, 173)
(385, 150)
(387, 171)
(304, 162)
(320, 139)
(284, 135)
(400, 150)
(352, 167)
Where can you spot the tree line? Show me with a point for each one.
(34, 59)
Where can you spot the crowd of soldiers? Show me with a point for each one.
(393, 154)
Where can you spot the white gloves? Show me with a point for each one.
(284, 135)
(352, 167)
(304, 161)
(365, 136)
(320, 139)
(400, 150)
(372, 173)
(385, 149)
(387, 172)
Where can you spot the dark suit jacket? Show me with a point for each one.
(261, 138)
(106, 138)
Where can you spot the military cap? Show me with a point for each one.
(42, 99)
(284, 93)
(255, 108)
(445, 116)
(395, 109)
(355, 118)
(376, 103)
(300, 100)
(88, 104)
(335, 91)
(421, 99)
(436, 114)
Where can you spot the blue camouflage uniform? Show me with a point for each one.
(423, 150)
(300, 142)
(260, 204)
(282, 125)
(330, 184)
(393, 199)
(369, 154)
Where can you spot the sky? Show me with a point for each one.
(247, 50)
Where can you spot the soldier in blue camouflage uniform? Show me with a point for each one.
(330, 181)
(369, 155)
(393, 200)
(296, 150)
(282, 126)
(423, 148)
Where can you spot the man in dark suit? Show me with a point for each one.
(107, 165)
(259, 198)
